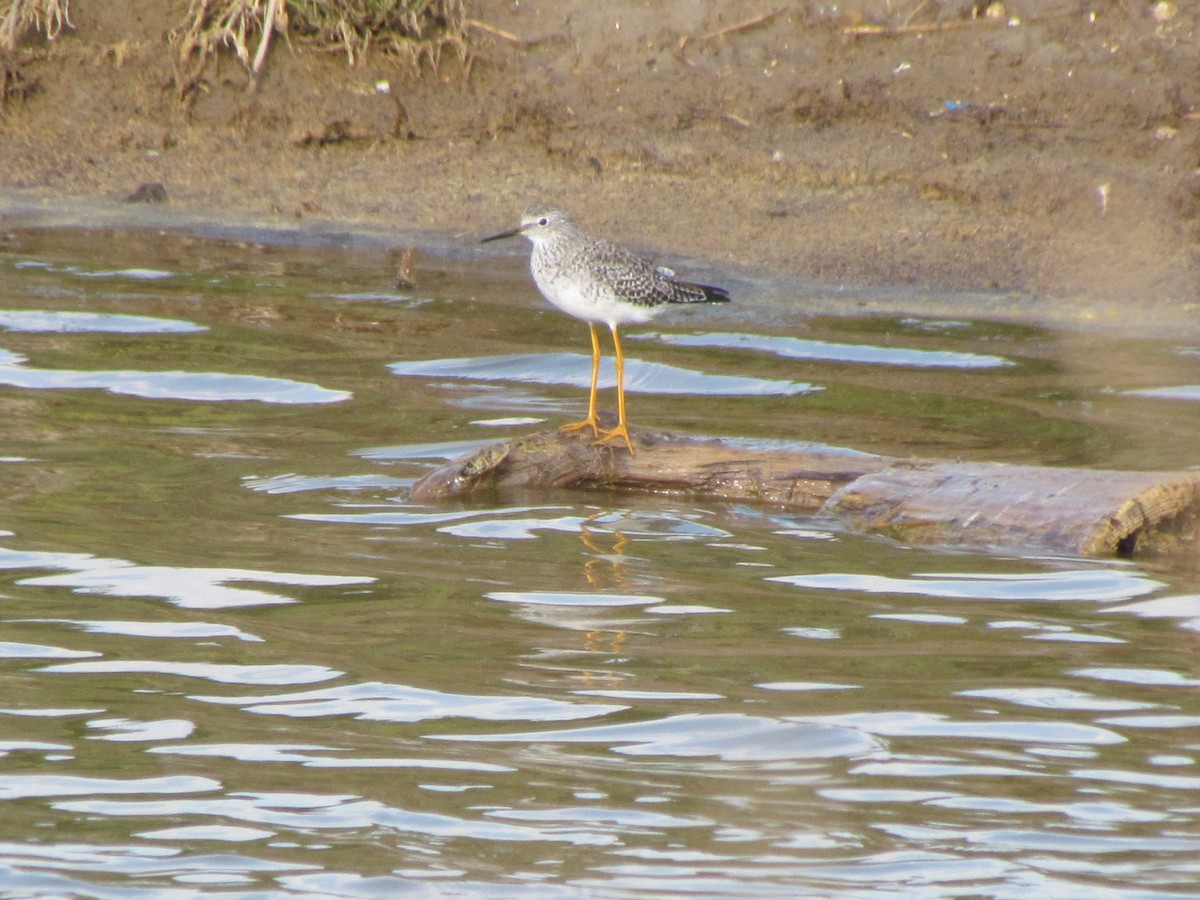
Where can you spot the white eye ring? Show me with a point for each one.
(543, 221)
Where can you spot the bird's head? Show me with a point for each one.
(538, 223)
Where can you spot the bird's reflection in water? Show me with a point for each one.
(606, 568)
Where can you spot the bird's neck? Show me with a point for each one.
(548, 253)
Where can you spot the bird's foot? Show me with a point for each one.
(621, 432)
(592, 422)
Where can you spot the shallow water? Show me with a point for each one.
(235, 659)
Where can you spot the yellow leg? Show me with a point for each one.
(592, 421)
(622, 429)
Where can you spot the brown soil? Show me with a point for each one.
(1051, 154)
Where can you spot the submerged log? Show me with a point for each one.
(917, 501)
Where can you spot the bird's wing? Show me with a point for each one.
(640, 282)
(632, 278)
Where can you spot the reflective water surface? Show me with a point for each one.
(237, 660)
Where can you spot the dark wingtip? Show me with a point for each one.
(690, 292)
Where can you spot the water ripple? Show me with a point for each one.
(291, 484)
(937, 771)
(338, 813)
(672, 696)
(307, 755)
(69, 322)
(48, 785)
(133, 861)
(575, 370)
(186, 630)
(806, 686)
(440, 450)
(405, 517)
(627, 818)
(1130, 675)
(1182, 606)
(1176, 392)
(913, 724)
(515, 529)
(134, 274)
(7, 747)
(1029, 839)
(798, 348)
(1151, 779)
(379, 702)
(16, 650)
(168, 385)
(506, 523)
(192, 588)
(727, 736)
(125, 730)
(190, 833)
(1055, 698)
(1093, 585)
(78, 854)
(223, 673)
(1098, 812)
(572, 598)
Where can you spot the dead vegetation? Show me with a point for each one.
(415, 31)
(47, 16)
(13, 83)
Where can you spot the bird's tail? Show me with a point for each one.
(699, 293)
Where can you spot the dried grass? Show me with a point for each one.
(416, 31)
(46, 16)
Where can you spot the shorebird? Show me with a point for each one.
(601, 283)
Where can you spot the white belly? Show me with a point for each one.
(593, 305)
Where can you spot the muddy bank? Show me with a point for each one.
(1045, 156)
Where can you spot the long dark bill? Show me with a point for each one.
(512, 232)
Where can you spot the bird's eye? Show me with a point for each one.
(543, 221)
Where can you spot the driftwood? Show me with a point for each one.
(938, 502)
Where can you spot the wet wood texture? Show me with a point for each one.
(917, 501)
